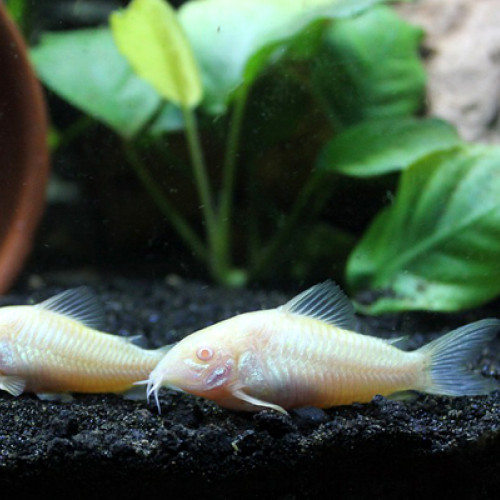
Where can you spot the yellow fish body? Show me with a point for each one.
(305, 354)
(53, 348)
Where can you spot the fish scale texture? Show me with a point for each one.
(69, 354)
(102, 446)
(335, 362)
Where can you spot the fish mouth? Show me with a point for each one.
(153, 389)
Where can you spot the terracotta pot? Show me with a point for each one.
(24, 159)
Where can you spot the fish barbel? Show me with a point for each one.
(305, 353)
(54, 348)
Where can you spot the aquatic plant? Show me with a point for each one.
(302, 106)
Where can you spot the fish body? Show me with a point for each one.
(54, 348)
(305, 354)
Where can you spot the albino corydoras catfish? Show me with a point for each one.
(305, 353)
(54, 348)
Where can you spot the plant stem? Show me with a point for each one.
(200, 170)
(184, 230)
(269, 254)
(253, 233)
(229, 172)
(72, 132)
(217, 263)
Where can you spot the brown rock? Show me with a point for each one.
(463, 40)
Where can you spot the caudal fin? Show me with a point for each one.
(449, 355)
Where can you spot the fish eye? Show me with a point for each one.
(205, 353)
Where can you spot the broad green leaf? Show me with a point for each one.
(234, 40)
(438, 246)
(148, 33)
(370, 68)
(85, 68)
(378, 147)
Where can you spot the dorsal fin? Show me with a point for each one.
(325, 302)
(80, 304)
(399, 342)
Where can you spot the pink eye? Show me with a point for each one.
(205, 353)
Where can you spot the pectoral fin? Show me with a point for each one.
(239, 394)
(55, 396)
(136, 393)
(12, 384)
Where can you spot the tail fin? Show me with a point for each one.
(448, 356)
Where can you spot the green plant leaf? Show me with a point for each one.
(85, 68)
(234, 40)
(377, 147)
(150, 36)
(438, 246)
(369, 67)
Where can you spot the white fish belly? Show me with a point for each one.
(310, 363)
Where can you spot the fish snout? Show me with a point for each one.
(178, 375)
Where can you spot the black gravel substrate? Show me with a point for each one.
(106, 447)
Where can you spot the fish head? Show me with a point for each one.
(203, 365)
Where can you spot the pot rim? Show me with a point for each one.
(25, 167)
